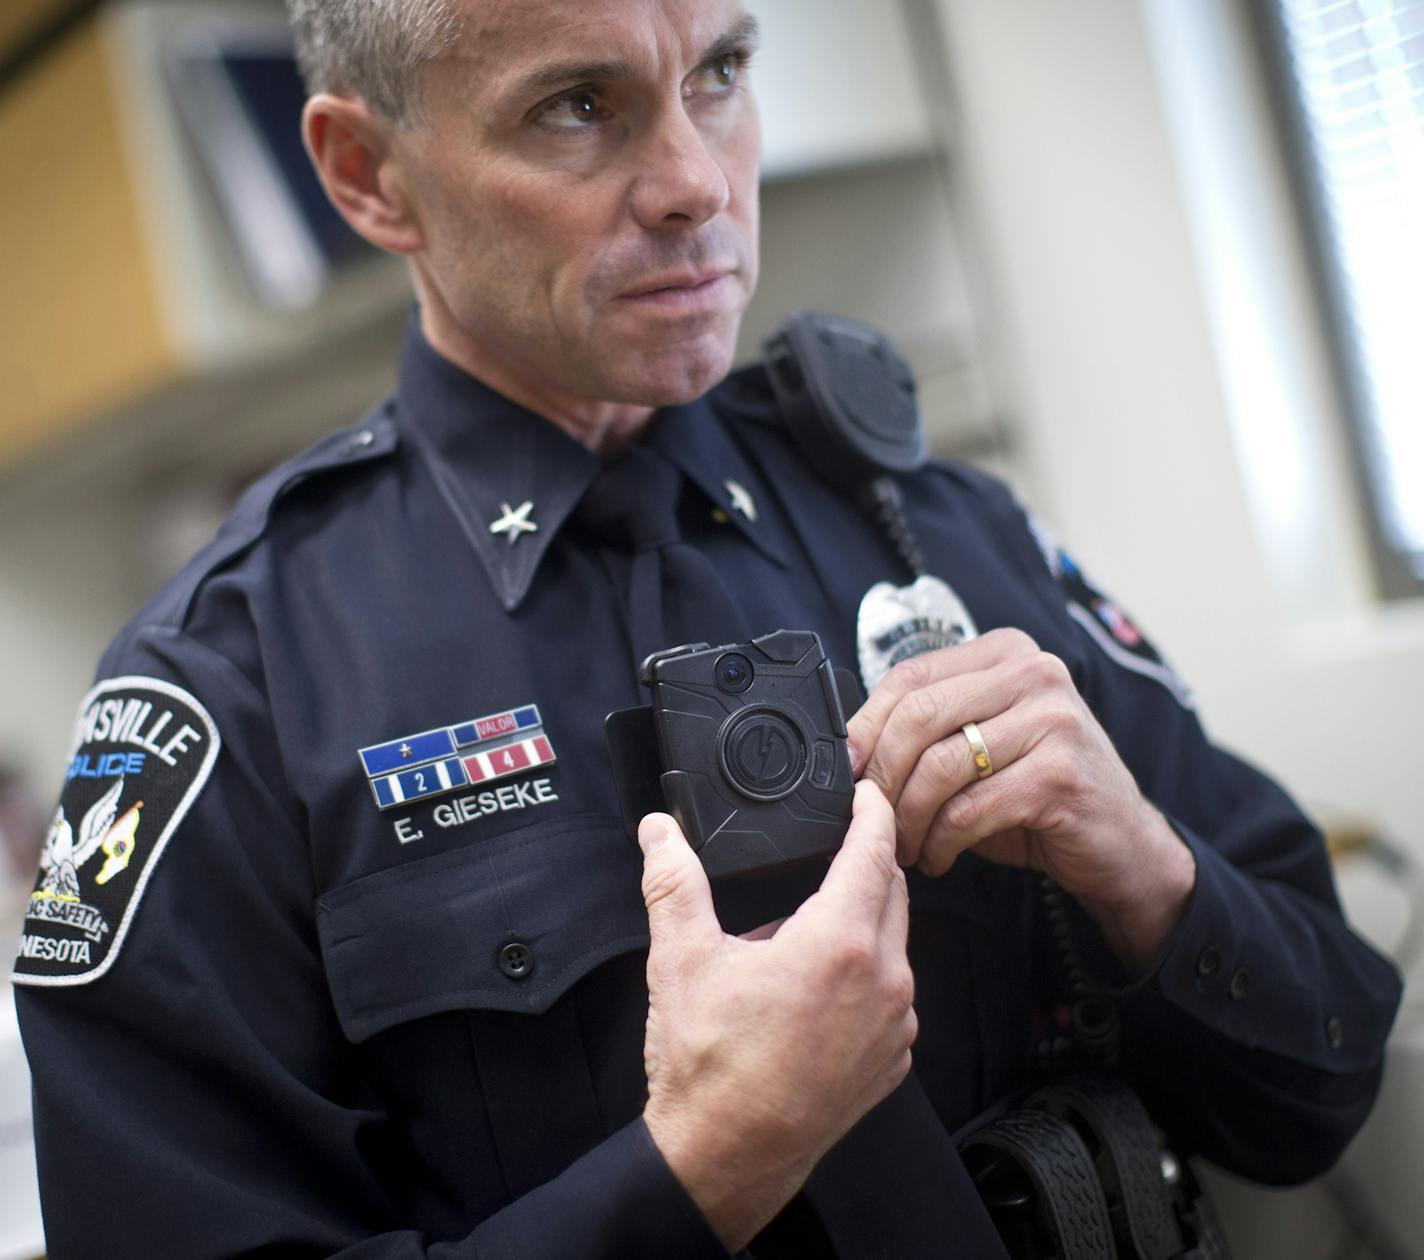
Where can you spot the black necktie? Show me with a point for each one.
(674, 595)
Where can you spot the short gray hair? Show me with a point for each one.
(374, 48)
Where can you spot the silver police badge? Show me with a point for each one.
(898, 622)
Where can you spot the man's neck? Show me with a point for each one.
(603, 427)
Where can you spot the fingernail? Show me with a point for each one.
(652, 834)
(856, 757)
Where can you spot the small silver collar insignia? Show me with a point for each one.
(515, 521)
(741, 499)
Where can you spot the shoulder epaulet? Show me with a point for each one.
(372, 439)
(1001, 508)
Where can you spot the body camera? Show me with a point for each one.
(745, 745)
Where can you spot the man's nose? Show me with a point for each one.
(682, 181)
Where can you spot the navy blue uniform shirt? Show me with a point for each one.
(338, 945)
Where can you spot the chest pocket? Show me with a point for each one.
(508, 924)
(493, 939)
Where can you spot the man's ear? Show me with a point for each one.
(351, 148)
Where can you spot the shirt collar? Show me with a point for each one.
(489, 457)
(695, 438)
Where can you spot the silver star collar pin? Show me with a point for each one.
(741, 499)
(515, 521)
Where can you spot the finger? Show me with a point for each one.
(947, 768)
(923, 718)
(863, 870)
(675, 887)
(895, 920)
(984, 652)
(1004, 802)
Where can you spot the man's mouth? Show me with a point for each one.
(681, 291)
(672, 281)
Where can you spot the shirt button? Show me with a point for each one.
(359, 441)
(1240, 983)
(1209, 961)
(516, 960)
(1334, 1032)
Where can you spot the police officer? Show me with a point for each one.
(338, 946)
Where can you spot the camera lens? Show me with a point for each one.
(733, 672)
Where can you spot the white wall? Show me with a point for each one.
(1111, 347)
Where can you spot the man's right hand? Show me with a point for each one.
(761, 1052)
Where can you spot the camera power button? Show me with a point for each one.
(764, 754)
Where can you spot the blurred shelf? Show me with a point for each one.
(232, 420)
(21, 21)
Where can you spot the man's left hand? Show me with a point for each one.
(1059, 798)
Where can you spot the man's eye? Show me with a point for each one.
(725, 71)
(719, 76)
(573, 111)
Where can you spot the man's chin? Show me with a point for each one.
(671, 377)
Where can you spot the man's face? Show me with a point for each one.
(586, 185)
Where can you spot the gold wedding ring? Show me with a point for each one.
(982, 762)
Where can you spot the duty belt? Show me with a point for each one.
(1076, 1173)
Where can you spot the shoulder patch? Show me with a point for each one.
(143, 749)
(1103, 620)
(1114, 633)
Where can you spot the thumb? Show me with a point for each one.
(675, 887)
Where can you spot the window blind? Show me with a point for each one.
(1357, 67)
